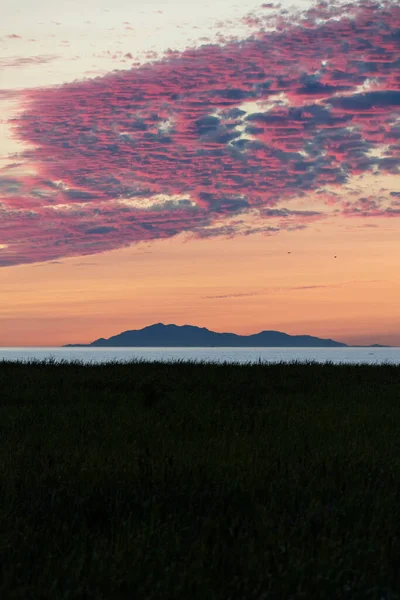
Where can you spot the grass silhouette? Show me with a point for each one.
(191, 480)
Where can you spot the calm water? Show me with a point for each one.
(231, 355)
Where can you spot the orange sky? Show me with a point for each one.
(167, 281)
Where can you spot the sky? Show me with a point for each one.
(231, 165)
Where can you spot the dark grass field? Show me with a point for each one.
(180, 481)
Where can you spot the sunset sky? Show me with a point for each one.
(232, 165)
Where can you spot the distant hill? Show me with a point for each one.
(160, 335)
(373, 346)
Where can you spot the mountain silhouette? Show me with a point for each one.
(160, 335)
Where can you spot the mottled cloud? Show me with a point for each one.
(219, 140)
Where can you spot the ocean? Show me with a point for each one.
(229, 355)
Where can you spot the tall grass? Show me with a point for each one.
(189, 480)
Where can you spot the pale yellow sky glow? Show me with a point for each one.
(285, 279)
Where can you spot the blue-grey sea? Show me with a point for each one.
(229, 355)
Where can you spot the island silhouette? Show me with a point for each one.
(161, 335)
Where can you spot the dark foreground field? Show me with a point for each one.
(182, 481)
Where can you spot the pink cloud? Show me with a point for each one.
(166, 148)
